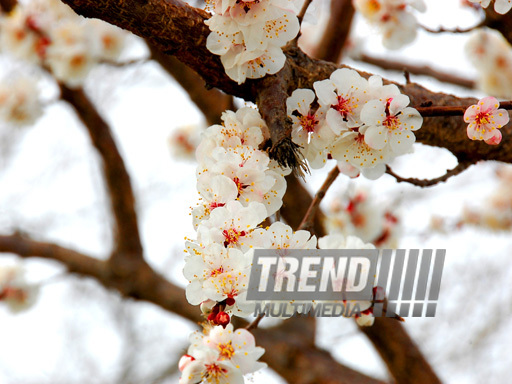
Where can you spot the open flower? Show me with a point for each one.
(485, 120)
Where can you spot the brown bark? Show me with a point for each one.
(337, 31)
(128, 251)
(178, 29)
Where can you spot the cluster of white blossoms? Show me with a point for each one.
(48, 33)
(500, 6)
(248, 35)
(15, 292)
(361, 123)
(491, 54)
(356, 213)
(220, 356)
(19, 101)
(239, 187)
(393, 18)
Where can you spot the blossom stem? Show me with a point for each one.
(434, 111)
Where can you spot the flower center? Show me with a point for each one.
(308, 122)
(232, 235)
(226, 351)
(213, 371)
(344, 107)
(216, 272)
(482, 118)
(239, 185)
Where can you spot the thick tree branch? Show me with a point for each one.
(178, 29)
(128, 247)
(297, 361)
(337, 31)
(402, 356)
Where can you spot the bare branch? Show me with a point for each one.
(303, 10)
(255, 322)
(452, 30)
(126, 232)
(453, 111)
(424, 70)
(307, 222)
(401, 355)
(337, 31)
(297, 361)
(295, 205)
(462, 166)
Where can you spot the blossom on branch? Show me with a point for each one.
(248, 35)
(485, 120)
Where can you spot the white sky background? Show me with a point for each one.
(51, 188)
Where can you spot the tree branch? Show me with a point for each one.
(295, 360)
(401, 355)
(128, 247)
(337, 31)
(424, 70)
(178, 29)
(308, 220)
(462, 166)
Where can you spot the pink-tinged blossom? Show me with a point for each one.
(485, 120)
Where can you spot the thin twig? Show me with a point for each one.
(303, 11)
(255, 322)
(463, 165)
(307, 221)
(452, 30)
(453, 111)
(125, 63)
(415, 69)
